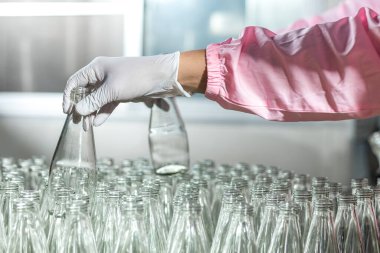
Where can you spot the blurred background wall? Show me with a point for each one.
(42, 43)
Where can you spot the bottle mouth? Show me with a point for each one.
(78, 93)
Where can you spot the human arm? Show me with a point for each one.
(329, 71)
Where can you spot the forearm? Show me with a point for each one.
(326, 72)
(192, 73)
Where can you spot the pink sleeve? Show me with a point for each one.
(326, 72)
(343, 9)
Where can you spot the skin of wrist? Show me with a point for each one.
(192, 72)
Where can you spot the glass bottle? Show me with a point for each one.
(155, 220)
(74, 159)
(347, 229)
(132, 237)
(57, 224)
(168, 142)
(27, 235)
(356, 183)
(303, 199)
(269, 222)
(9, 194)
(334, 190)
(190, 235)
(376, 191)
(109, 235)
(367, 220)
(99, 210)
(230, 197)
(321, 237)
(78, 233)
(241, 233)
(287, 234)
(258, 195)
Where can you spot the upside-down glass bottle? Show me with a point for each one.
(74, 159)
(168, 142)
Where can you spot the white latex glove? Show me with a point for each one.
(123, 79)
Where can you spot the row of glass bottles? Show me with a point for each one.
(223, 208)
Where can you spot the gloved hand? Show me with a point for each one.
(123, 79)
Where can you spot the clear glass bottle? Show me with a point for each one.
(367, 220)
(334, 190)
(321, 237)
(241, 233)
(78, 233)
(57, 224)
(155, 220)
(109, 234)
(27, 235)
(258, 195)
(9, 195)
(132, 237)
(303, 199)
(269, 222)
(230, 197)
(190, 235)
(347, 229)
(287, 235)
(169, 147)
(74, 158)
(376, 191)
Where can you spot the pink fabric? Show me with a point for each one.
(329, 71)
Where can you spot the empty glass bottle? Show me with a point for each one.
(190, 236)
(78, 233)
(132, 237)
(269, 222)
(57, 223)
(258, 195)
(27, 234)
(109, 234)
(74, 158)
(321, 237)
(377, 204)
(155, 220)
(367, 220)
(9, 194)
(287, 234)
(347, 227)
(169, 148)
(334, 190)
(241, 233)
(303, 199)
(230, 197)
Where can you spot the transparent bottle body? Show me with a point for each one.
(321, 237)
(347, 229)
(74, 159)
(168, 142)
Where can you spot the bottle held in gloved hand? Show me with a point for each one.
(74, 159)
(169, 148)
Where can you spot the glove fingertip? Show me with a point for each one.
(99, 120)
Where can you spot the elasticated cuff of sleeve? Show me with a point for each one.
(215, 74)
